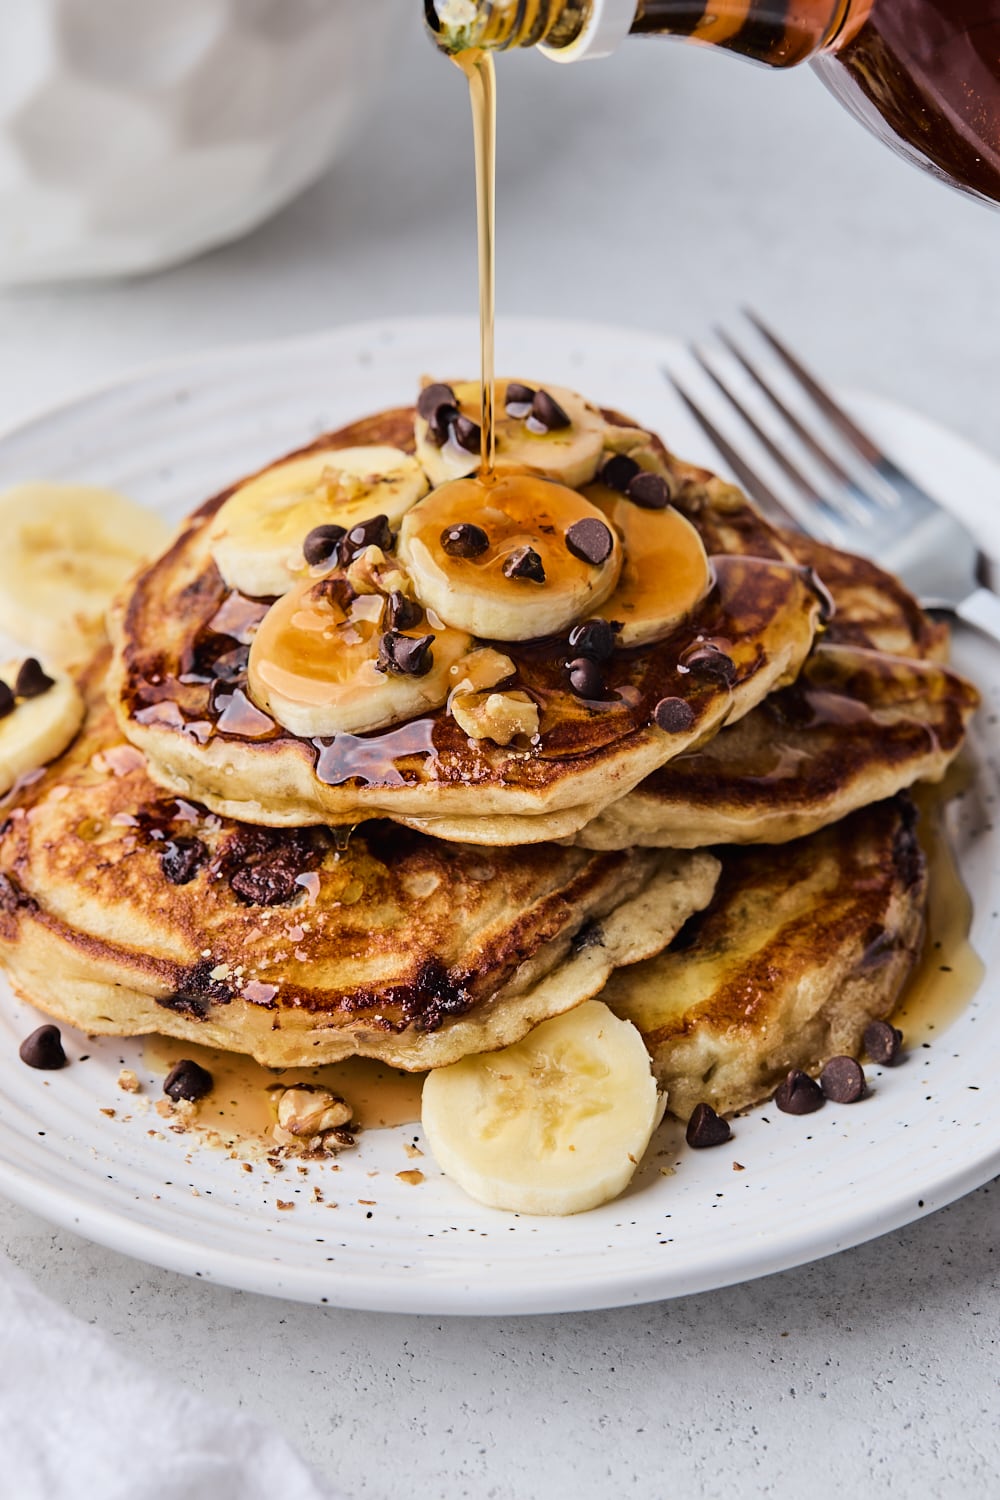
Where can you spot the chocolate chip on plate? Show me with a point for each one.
(7, 700)
(520, 397)
(798, 1094)
(585, 677)
(464, 540)
(706, 1128)
(546, 414)
(524, 562)
(673, 715)
(618, 471)
(468, 434)
(32, 679)
(590, 540)
(187, 1080)
(709, 660)
(320, 546)
(883, 1043)
(650, 491)
(433, 396)
(403, 613)
(594, 638)
(181, 859)
(843, 1080)
(375, 532)
(43, 1049)
(405, 655)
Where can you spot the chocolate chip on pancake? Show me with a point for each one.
(7, 700)
(468, 434)
(706, 659)
(524, 562)
(884, 1043)
(518, 399)
(32, 679)
(546, 414)
(181, 859)
(405, 655)
(464, 540)
(798, 1094)
(706, 1128)
(187, 1080)
(320, 546)
(843, 1080)
(438, 406)
(585, 677)
(43, 1049)
(650, 491)
(590, 540)
(375, 532)
(594, 638)
(618, 472)
(402, 613)
(673, 715)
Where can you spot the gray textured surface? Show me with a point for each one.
(660, 189)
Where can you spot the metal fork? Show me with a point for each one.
(858, 496)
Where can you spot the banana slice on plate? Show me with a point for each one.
(555, 1124)
(328, 661)
(509, 558)
(67, 550)
(257, 536)
(548, 430)
(40, 714)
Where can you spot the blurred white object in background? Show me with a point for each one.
(136, 133)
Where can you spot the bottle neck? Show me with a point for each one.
(498, 25)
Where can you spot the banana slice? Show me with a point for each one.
(555, 1124)
(510, 558)
(39, 716)
(554, 432)
(327, 661)
(665, 574)
(256, 538)
(67, 550)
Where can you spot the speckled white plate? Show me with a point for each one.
(929, 1132)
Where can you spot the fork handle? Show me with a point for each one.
(981, 609)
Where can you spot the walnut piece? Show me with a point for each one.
(500, 717)
(481, 669)
(307, 1109)
(372, 572)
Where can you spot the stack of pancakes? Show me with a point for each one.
(708, 828)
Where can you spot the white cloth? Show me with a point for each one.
(81, 1421)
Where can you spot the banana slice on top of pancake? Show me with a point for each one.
(328, 660)
(39, 716)
(547, 430)
(258, 535)
(509, 558)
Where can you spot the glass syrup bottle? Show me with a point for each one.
(923, 75)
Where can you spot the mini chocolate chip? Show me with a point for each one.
(43, 1049)
(7, 701)
(618, 471)
(673, 715)
(883, 1043)
(585, 677)
(590, 540)
(375, 532)
(524, 562)
(708, 660)
(403, 613)
(650, 491)
(464, 540)
(519, 395)
(594, 638)
(181, 859)
(468, 434)
(405, 655)
(843, 1080)
(433, 396)
(187, 1080)
(706, 1128)
(547, 414)
(32, 680)
(320, 546)
(798, 1094)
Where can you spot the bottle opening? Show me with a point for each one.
(499, 25)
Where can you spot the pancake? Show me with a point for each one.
(795, 955)
(180, 621)
(872, 712)
(125, 912)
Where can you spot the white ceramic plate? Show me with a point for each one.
(929, 1132)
